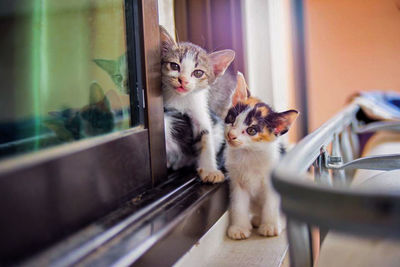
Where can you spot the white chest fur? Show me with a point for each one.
(195, 105)
(252, 192)
(250, 169)
(195, 102)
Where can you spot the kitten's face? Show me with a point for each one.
(187, 67)
(251, 124)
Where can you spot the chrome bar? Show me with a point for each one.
(382, 162)
(321, 173)
(379, 126)
(338, 207)
(347, 152)
(308, 149)
(299, 244)
(338, 174)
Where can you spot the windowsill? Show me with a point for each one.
(155, 228)
(216, 249)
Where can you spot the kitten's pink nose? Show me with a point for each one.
(182, 81)
(231, 136)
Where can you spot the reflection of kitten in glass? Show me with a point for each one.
(252, 129)
(189, 73)
(118, 72)
(93, 119)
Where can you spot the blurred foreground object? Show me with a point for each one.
(329, 201)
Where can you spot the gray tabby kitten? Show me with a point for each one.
(193, 134)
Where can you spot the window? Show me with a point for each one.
(65, 69)
(80, 114)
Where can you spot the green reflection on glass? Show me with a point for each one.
(65, 73)
(36, 65)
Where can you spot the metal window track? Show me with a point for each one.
(153, 230)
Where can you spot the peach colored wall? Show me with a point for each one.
(352, 45)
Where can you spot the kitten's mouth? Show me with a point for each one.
(180, 89)
(234, 143)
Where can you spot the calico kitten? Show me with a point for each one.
(252, 129)
(192, 136)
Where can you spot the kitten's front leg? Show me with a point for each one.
(240, 226)
(271, 224)
(207, 163)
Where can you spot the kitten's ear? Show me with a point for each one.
(284, 120)
(221, 60)
(107, 104)
(108, 65)
(166, 40)
(241, 92)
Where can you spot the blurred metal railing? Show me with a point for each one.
(325, 200)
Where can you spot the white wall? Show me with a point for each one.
(166, 15)
(257, 48)
(266, 44)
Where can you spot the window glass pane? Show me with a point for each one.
(63, 72)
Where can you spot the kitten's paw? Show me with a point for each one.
(213, 176)
(256, 221)
(269, 229)
(238, 232)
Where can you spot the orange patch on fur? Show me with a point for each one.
(251, 101)
(264, 136)
(264, 111)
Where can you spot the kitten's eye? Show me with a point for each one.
(198, 73)
(174, 66)
(251, 131)
(229, 118)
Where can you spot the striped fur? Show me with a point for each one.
(193, 135)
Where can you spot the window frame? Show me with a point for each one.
(50, 194)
